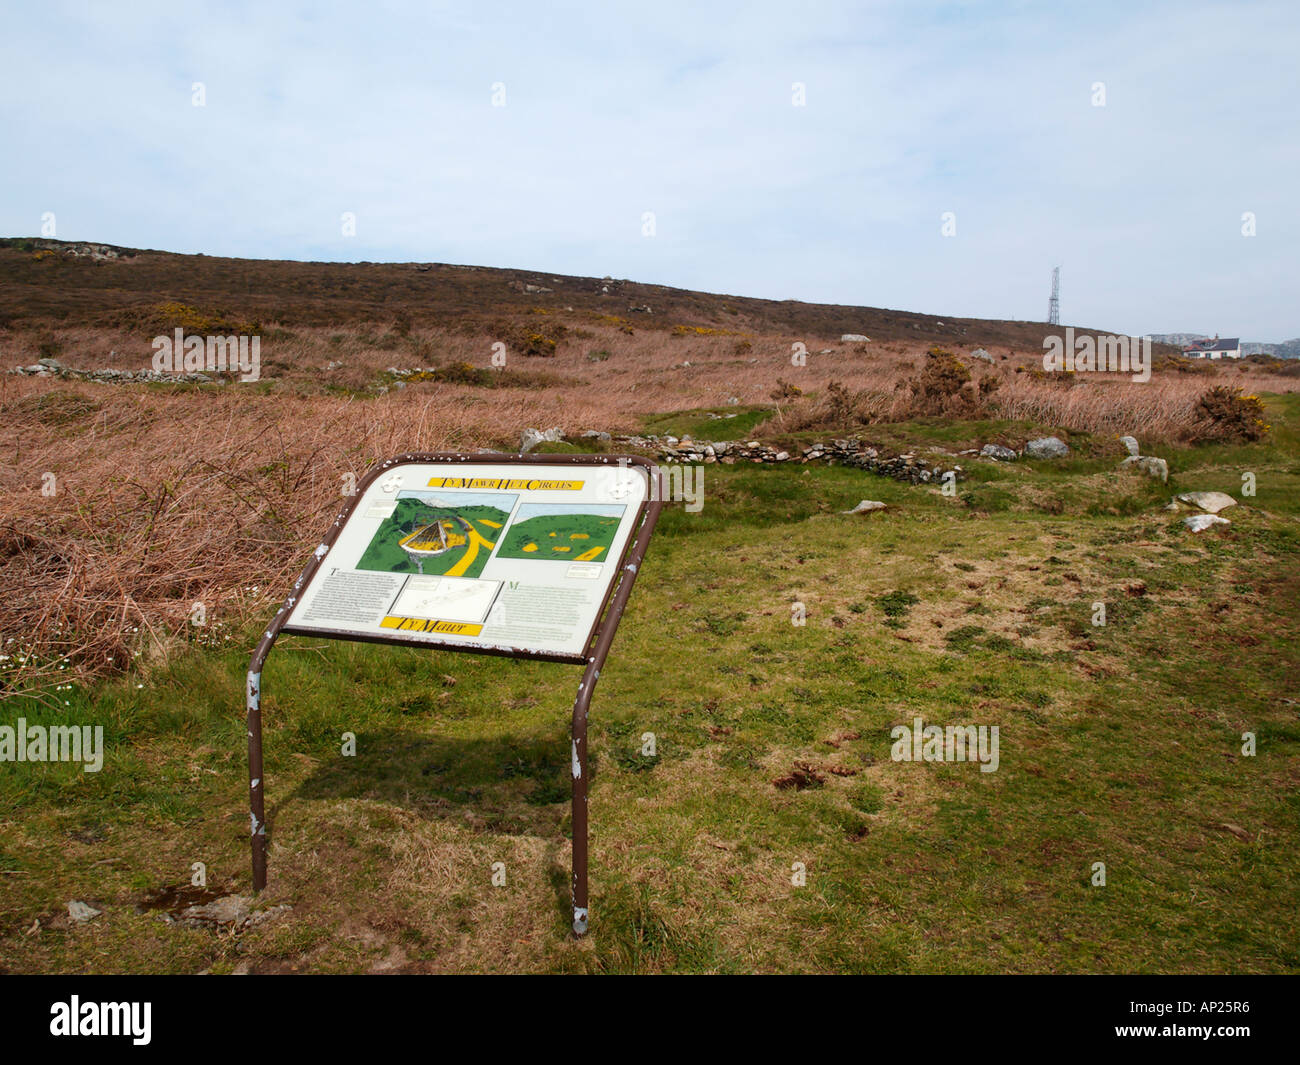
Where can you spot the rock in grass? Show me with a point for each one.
(530, 438)
(1131, 445)
(866, 507)
(980, 353)
(854, 338)
(1201, 522)
(81, 912)
(1209, 501)
(227, 910)
(998, 452)
(1047, 447)
(1150, 465)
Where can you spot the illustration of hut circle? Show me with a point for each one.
(424, 543)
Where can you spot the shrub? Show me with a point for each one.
(461, 373)
(536, 339)
(164, 317)
(841, 405)
(836, 409)
(698, 331)
(464, 373)
(943, 386)
(1182, 364)
(1227, 415)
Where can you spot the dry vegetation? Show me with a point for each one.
(164, 496)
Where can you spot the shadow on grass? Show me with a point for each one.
(513, 785)
(517, 786)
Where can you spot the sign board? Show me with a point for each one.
(530, 556)
(476, 556)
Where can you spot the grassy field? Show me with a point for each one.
(1120, 744)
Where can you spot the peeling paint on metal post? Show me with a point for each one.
(578, 886)
(256, 803)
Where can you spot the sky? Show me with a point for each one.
(792, 150)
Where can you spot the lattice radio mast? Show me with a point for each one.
(1054, 304)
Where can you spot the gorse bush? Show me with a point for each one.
(944, 387)
(164, 317)
(464, 373)
(193, 320)
(699, 331)
(843, 406)
(1228, 415)
(461, 373)
(534, 339)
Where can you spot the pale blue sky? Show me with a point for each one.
(685, 110)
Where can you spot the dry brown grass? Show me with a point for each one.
(170, 496)
(165, 499)
(1162, 410)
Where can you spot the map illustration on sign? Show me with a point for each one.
(448, 534)
(562, 532)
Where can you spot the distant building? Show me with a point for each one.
(1229, 348)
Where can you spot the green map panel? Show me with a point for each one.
(561, 537)
(385, 554)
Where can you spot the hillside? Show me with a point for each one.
(76, 283)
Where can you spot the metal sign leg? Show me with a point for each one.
(256, 774)
(580, 778)
(256, 798)
(595, 661)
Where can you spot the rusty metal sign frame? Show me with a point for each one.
(598, 643)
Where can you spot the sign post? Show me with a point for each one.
(525, 556)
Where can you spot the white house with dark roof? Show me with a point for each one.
(1229, 348)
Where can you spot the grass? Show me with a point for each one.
(1120, 744)
(718, 423)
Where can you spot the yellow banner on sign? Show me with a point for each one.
(507, 483)
(452, 628)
